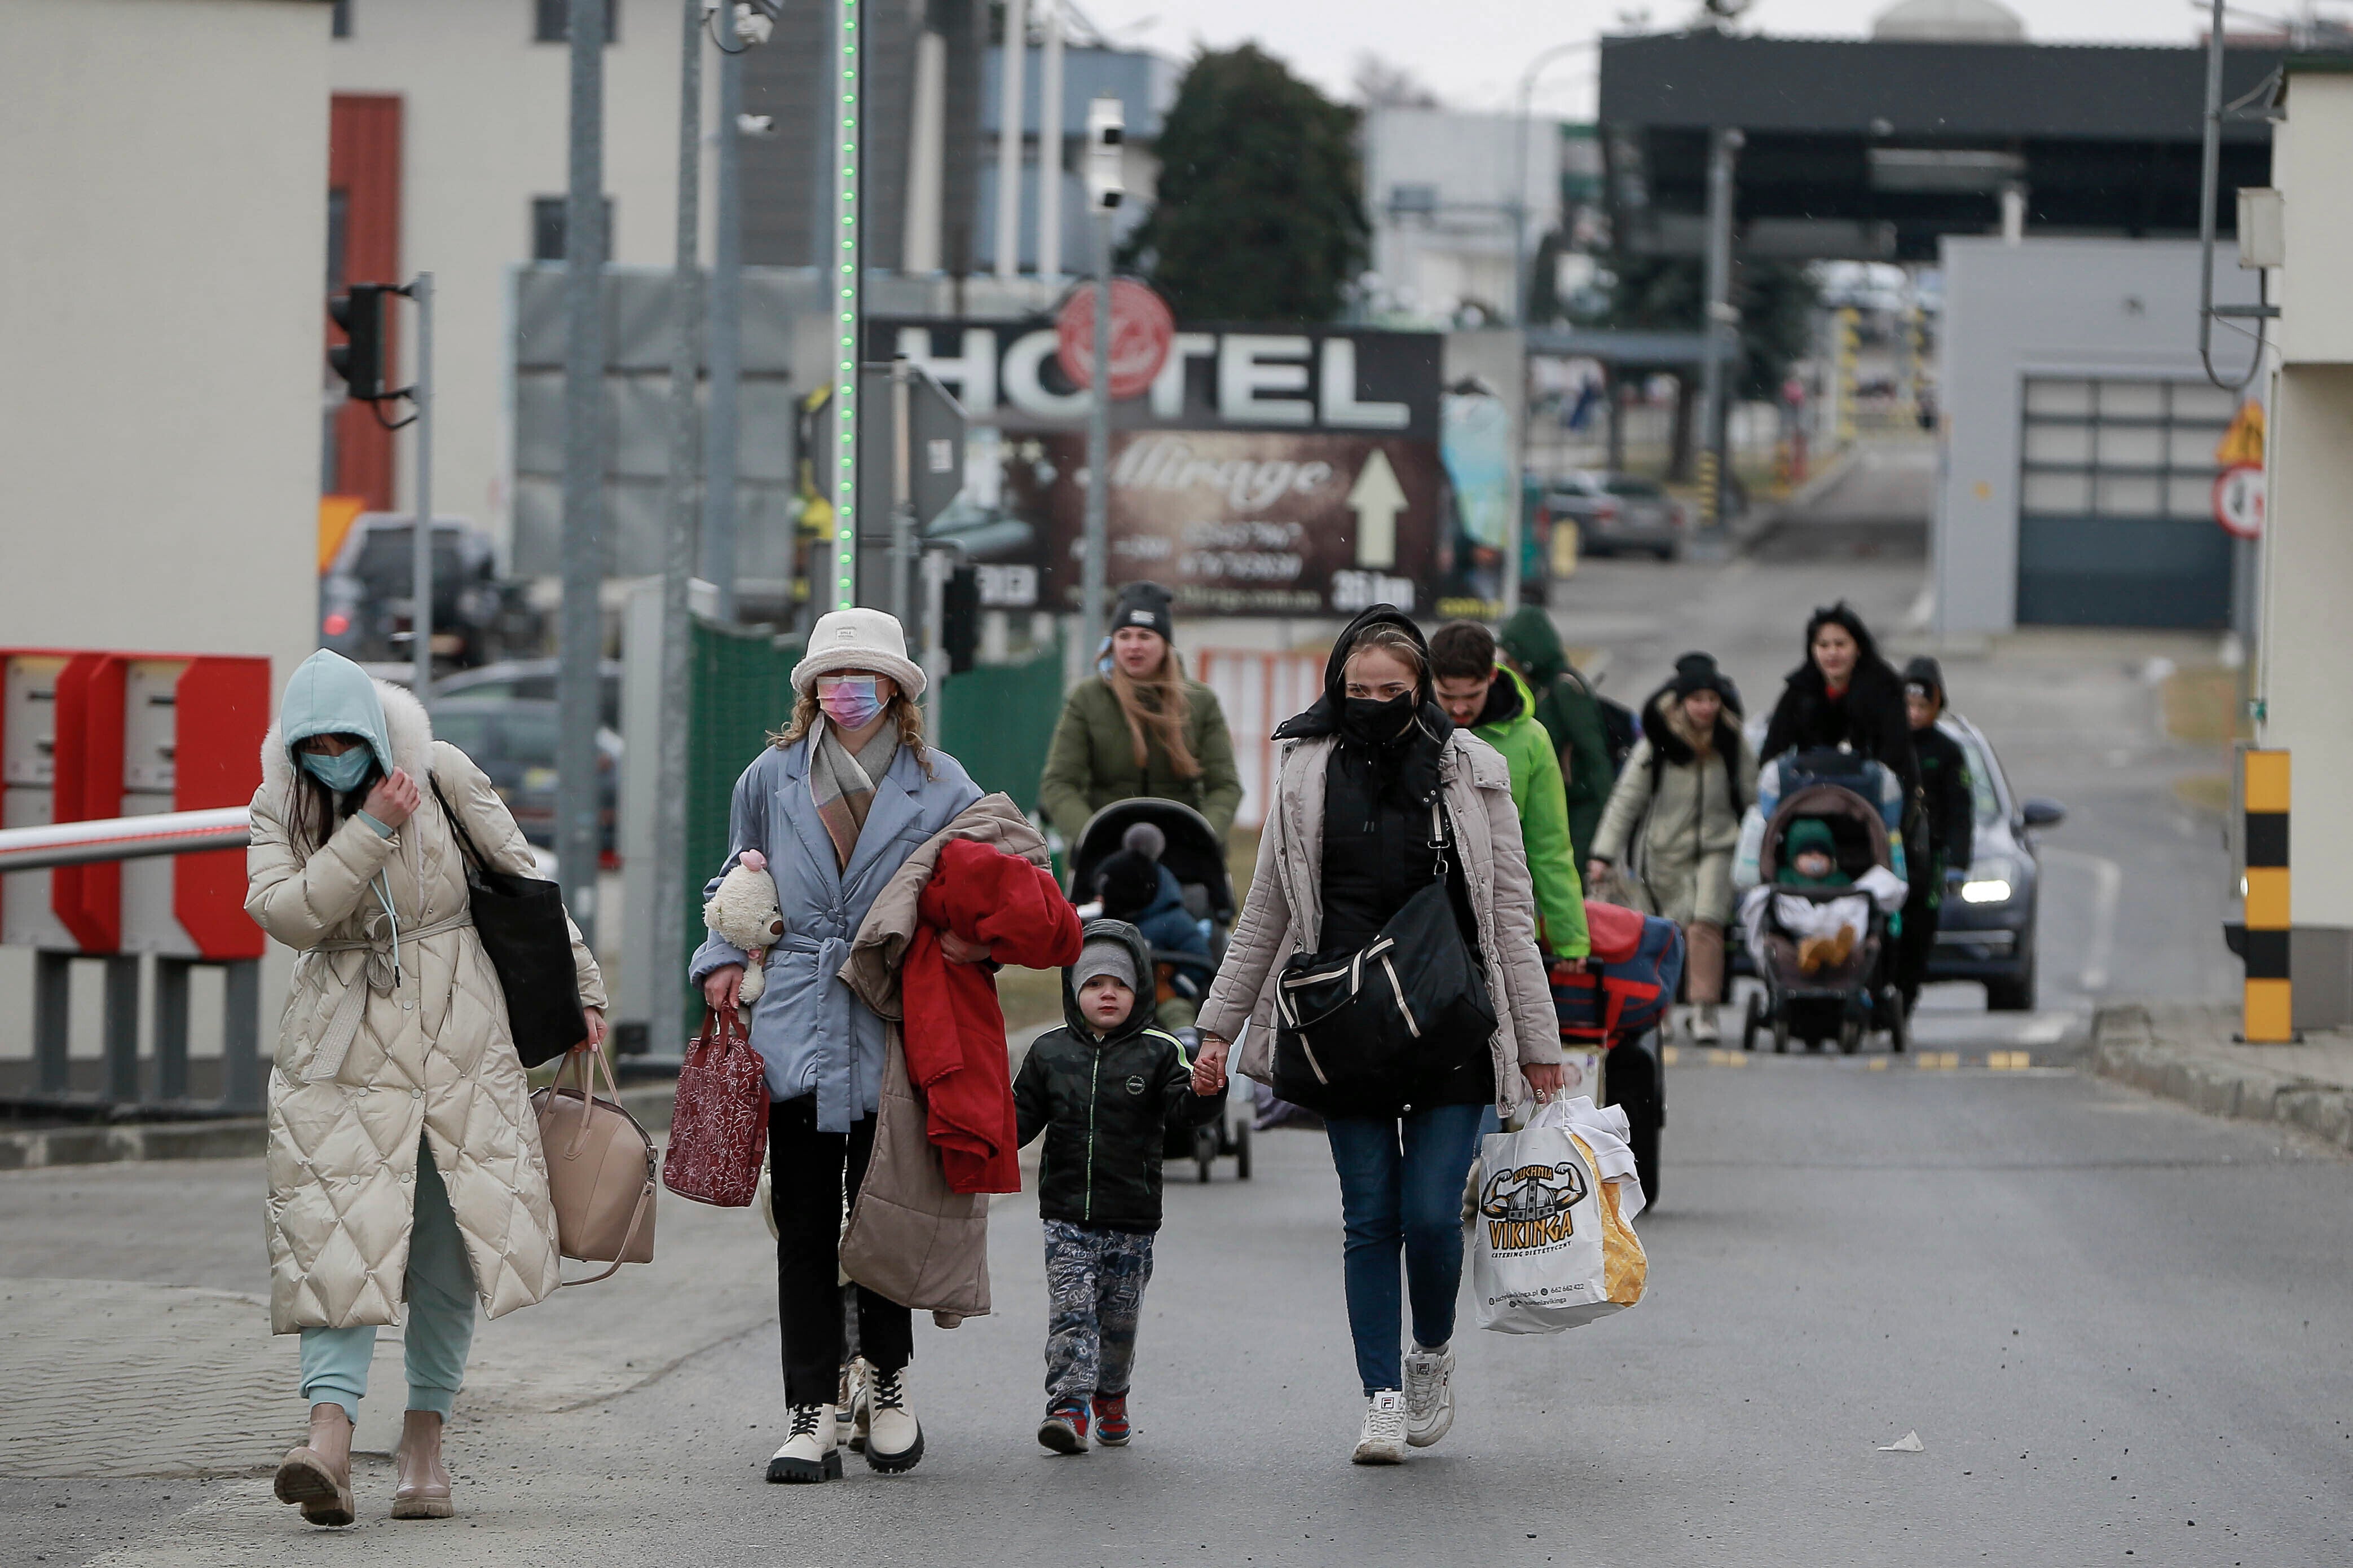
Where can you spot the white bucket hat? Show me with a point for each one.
(858, 640)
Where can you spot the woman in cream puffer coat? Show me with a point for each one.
(403, 1160)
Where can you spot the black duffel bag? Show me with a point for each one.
(523, 931)
(1357, 1032)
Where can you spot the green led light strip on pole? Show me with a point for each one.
(847, 55)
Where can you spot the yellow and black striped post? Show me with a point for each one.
(2263, 797)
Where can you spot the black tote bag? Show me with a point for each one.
(523, 928)
(1356, 1032)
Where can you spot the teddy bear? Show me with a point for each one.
(743, 911)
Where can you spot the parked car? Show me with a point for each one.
(1987, 932)
(533, 679)
(513, 738)
(1614, 513)
(366, 595)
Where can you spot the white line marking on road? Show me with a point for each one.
(2107, 886)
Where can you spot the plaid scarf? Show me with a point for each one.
(842, 783)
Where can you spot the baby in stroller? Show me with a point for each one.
(1821, 861)
(1807, 901)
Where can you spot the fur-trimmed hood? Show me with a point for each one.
(407, 727)
(1665, 734)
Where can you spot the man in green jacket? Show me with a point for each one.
(1495, 704)
(1140, 727)
(1570, 714)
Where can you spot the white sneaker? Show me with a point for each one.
(894, 1438)
(808, 1454)
(1428, 1394)
(1704, 1029)
(1382, 1442)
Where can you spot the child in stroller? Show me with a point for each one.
(1827, 875)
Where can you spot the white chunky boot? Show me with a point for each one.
(808, 1454)
(1428, 1394)
(1382, 1442)
(894, 1438)
(1704, 1029)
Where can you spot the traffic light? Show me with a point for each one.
(1106, 130)
(359, 359)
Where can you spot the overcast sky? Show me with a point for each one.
(1471, 52)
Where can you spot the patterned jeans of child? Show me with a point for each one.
(1094, 1291)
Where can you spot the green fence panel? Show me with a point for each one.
(742, 685)
(998, 719)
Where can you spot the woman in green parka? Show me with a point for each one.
(1140, 728)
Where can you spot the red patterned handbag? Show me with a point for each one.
(719, 1129)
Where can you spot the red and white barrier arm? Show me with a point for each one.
(124, 838)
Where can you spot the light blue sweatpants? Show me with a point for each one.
(441, 1316)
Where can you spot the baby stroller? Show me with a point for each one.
(1192, 853)
(1851, 997)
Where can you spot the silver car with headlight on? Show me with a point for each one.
(1986, 932)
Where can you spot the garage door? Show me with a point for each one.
(2115, 523)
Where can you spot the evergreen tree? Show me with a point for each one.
(1258, 217)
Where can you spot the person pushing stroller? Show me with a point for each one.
(1104, 1088)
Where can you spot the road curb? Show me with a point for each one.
(2130, 1044)
(231, 1137)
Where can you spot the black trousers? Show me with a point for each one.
(811, 1174)
(1918, 938)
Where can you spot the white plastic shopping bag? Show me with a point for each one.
(1553, 1247)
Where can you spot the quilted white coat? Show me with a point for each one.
(432, 1056)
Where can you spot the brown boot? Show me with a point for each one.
(423, 1490)
(1813, 951)
(319, 1474)
(1843, 946)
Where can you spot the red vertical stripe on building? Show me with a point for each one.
(364, 162)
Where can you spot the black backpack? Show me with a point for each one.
(1619, 726)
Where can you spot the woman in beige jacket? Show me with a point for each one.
(403, 1160)
(1345, 844)
(1674, 820)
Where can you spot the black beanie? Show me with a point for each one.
(1925, 671)
(1699, 672)
(1146, 605)
(1128, 883)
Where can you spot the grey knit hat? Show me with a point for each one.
(1105, 955)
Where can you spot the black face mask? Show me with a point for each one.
(1377, 723)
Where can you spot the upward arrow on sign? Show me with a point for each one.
(1377, 498)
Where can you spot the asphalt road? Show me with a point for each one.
(2115, 1326)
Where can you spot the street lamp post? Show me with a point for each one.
(580, 637)
(1106, 186)
(1522, 124)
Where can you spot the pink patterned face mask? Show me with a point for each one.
(849, 700)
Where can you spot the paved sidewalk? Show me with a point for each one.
(2187, 1053)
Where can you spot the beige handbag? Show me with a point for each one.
(601, 1170)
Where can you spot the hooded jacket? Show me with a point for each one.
(1284, 912)
(1944, 784)
(1674, 820)
(1868, 715)
(1508, 725)
(430, 1056)
(1104, 1103)
(1570, 713)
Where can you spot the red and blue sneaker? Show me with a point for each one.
(1064, 1430)
(1111, 1420)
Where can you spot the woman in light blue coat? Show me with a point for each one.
(844, 795)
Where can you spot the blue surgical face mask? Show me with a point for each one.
(342, 773)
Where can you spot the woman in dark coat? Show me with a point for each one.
(1844, 693)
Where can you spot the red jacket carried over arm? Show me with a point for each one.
(954, 1032)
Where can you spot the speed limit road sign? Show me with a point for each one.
(2239, 501)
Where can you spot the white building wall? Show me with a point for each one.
(2044, 307)
(164, 164)
(2307, 547)
(485, 126)
(1473, 166)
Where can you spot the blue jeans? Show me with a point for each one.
(1402, 1194)
(440, 1331)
